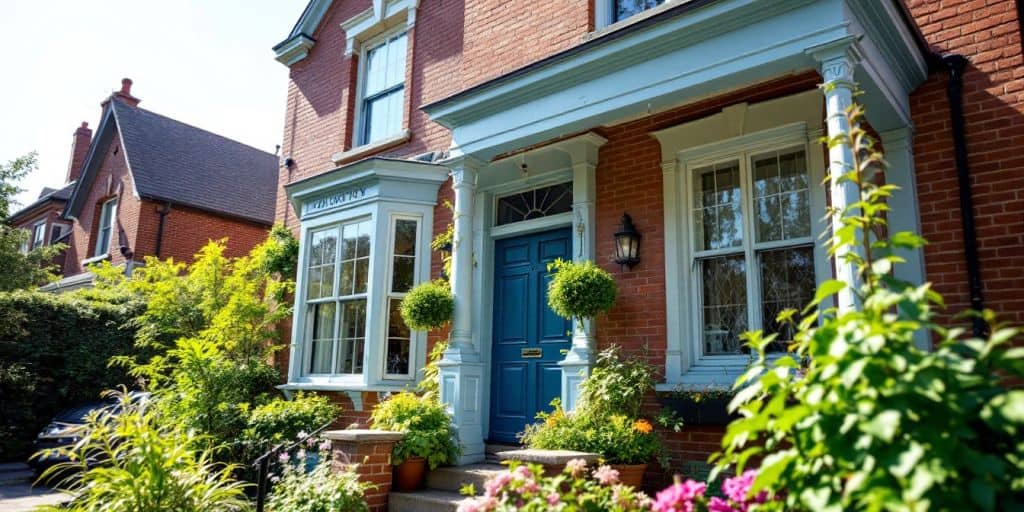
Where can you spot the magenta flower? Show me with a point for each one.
(679, 496)
(738, 488)
(605, 475)
(554, 499)
(719, 505)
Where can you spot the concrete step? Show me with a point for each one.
(452, 479)
(491, 449)
(424, 501)
(20, 476)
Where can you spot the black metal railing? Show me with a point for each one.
(262, 463)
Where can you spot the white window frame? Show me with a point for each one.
(58, 230)
(360, 135)
(687, 365)
(38, 237)
(416, 337)
(108, 218)
(604, 13)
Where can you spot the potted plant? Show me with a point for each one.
(428, 437)
(707, 406)
(428, 306)
(628, 445)
(579, 291)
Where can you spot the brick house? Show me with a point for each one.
(148, 185)
(701, 119)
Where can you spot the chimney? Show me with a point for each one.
(79, 149)
(125, 94)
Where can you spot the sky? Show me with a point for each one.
(203, 62)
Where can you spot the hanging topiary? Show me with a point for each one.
(428, 306)
(580, 290)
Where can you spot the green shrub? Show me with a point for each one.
(428, 306)
(855, 416)
(580, 290)
(426, 425)
(617, 438)
(148, 465)
(320, 490)
(282, 420)
(616, 385)
(54, 351)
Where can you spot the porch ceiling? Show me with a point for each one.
(694, 50)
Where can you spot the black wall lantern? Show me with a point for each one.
(627, 243)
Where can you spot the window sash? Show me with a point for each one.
(382, 87)
(750, 250)
(400, 336)
(108, 217)
(38, 235)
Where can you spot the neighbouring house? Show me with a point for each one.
(149, 185)
(545, 122)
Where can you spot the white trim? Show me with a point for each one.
(417, 338)
(366, 149)
(33, 242)
(110, 219)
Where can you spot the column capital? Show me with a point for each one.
(837, 59)
(464, 168)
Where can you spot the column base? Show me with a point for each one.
(573, 374)
(461, 391)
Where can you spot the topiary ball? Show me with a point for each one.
(428, 306)
(580, 290)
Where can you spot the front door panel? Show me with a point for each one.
(529, 339)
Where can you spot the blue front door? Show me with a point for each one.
(529, 339)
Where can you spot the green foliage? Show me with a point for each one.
(855, 416)
(580, 290)
(145, 465)
(428, 306)
(282, 420)
(36, 267)
(425, 423)
(320, 490)
(281, 255)
(619, 439)
(443, 242)
(430, 385)
(53, 355)
(617, 385)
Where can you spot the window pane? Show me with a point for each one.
(402, 274)
(781, 196)
(383, 115)
(38, 235)
(355, 258)
(321, 318)
(535, 204)
(353, 336)
(376, 70)
(627, 8)
(320, 278)
(405, 237)
(787, 281)
(717, 214)
(398, 341)
(396, 60)
(724, 304)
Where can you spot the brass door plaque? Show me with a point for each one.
(531, 353)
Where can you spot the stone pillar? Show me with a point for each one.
(461, 369)
(905, 213)
(368, 454)
(580, 359)
(837, 61)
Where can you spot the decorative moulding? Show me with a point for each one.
(382, 16)
(367, 149)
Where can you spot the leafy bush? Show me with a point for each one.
(431, 383)
(426, 425)
(619, 439)
(525, 488)
(54, 351)
(856, 417)
(616, 385)
(136, 461)
(36, 266)
(428, 306)
(580, 290)
(320, 490)
(280, 420)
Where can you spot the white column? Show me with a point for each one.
(461, 370)
(837, 61)
(904, 216)
(580, 359)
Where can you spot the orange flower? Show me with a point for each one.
(643, 426)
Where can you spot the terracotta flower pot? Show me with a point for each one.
(631, 474)
(409, 474)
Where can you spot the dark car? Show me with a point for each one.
(65, 429)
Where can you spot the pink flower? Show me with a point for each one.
(738, 488)
(301, 454)
(494, 486)
(523, 472)
(469, 505)
(679, 497)
(605, 475)
(576, 467)
(554, 499)
(719, 505)
(325, 446)
(284, 457)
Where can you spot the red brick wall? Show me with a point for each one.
(988, 34)
(111, 180)
(186, 230)
(50, 211)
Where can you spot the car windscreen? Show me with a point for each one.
(78, 414)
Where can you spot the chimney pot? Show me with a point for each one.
(126, 86)
(79, 150)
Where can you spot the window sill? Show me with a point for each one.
(368, 149)
(328, 386)
(632, 20)
(95, 259)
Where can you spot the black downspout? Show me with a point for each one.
(160, 228)
(955, 64)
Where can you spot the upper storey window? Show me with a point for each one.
(383, 88)
(105, 229)
(622, 9)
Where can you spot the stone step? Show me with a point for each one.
(491, 450)
(424, 501)
(19, 476)
(452, 479)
